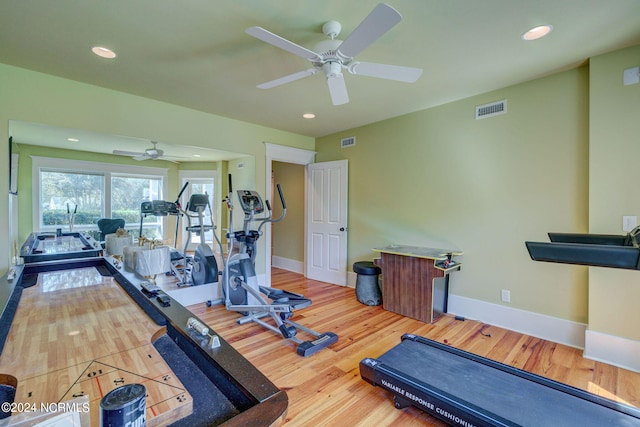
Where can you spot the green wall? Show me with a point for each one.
(41, 98)
(189, 166)
(288, 235)
(440, 178)
(613, 171)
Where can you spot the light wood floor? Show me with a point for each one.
(326, 388)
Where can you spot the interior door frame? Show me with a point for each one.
(282, 153)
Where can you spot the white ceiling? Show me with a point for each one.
(195, 53)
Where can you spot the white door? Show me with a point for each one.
(327, 222)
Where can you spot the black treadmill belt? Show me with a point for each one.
(509, 395)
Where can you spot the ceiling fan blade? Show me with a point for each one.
(384, 71)
(141, 157)
(126, 153)
(277, 41)
(379, 21)
(287, 79)
(338, 89)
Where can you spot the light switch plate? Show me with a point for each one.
(629, 222)
(631, 76)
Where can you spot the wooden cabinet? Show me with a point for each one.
(415, 280)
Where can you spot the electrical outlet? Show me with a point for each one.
(506, 295)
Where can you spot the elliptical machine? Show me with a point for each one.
(240, 287)
(202, 268)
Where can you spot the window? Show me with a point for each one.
(201, 182)
(127, 193)
(62, 193)
(88, 191)
(201, 186)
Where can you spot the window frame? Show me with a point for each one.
(107, 170)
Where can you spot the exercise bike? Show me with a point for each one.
(240, 287)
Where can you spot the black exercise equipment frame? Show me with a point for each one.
(597, 250)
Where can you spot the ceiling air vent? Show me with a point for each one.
(348, 142)
(492, 109)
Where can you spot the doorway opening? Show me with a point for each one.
(288, 155)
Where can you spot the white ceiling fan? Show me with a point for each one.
(148, 154)
(333, 55)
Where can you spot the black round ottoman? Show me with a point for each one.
(367, 288)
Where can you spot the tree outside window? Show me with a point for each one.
(65, 192)
(82, 193)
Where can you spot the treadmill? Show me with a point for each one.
(600, 250)
(162, 208)
(464, 389)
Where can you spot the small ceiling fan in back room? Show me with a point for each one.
(333, 55)
(153, 153)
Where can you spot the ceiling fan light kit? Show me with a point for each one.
(333, 55)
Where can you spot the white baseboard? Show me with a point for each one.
(617, 351)
(538, 325)
(287, 264)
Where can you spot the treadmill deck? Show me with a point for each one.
(459, 387)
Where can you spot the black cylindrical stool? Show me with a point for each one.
(367, 288)
(8, 384)
(125, 405)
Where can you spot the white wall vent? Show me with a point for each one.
(348, 142)
(492, 109)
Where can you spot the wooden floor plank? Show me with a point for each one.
(326, 389)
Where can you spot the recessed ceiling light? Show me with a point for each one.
(73, 139)
(537, 32)
(103, 52)
(309, 115)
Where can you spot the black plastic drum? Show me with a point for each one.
(124, 406)
(8, 384)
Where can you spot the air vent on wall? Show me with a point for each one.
(348, 142)
(492, 109)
